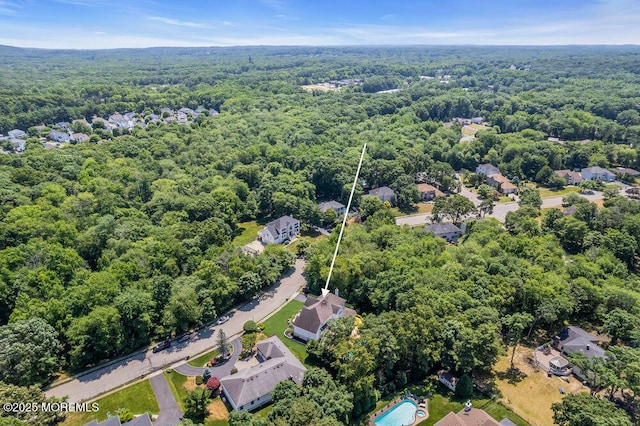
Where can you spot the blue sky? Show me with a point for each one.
(143, 23)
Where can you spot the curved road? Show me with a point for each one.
(499, 211)
(91, 384)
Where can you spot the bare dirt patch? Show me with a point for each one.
(217, 411)
(528, 391)
(190, 384)
(326, 87)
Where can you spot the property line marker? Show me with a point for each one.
(325, 290)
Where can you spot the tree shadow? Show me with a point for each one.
(511, 375)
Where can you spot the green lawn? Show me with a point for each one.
(203, 359)
(277, 324)
(176, 383)
(138, 399)
(546, 192)
(246, 232)
(440, 405)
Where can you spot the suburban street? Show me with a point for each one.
(94, 383)
(499, 211)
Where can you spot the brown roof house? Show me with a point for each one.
(312, 320)
(501, 183)
(469, 416)
(428, 192)
(250, 389)
(572, 178)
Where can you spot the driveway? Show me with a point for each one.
(220, 371)
(254, 246)
(170, 413)
(96, 382)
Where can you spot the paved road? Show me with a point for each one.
(218, 371)
(170, 413)
(94, 383)
(499, 211)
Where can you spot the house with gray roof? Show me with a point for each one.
(17, 134)
(312, 319)
(384, 193)
(280, 230)
(142, 420)
(597, 173)
(487, 169)
(57, 136)
(573, 339)
(250, 389)
(337, 207)
(446, 230)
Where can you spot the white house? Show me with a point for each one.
(598, 173)
(487, 169)
(250, 389)
(312, 320)
(448, 379)
(280, 230)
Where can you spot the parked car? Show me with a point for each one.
(222, 320)
(185, 337)
(161, 346)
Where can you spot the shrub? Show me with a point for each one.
(250, 327)
(199, 380)
(213, 383)
(234, 370)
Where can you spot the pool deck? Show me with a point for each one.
(421, 406)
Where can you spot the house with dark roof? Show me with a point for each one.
(572, 178)
(384, 193)
(143, 420)
(573, 339)
(337, 207)
(250, 389)
(312, 319)
(625, 170)
(428, 192)
(446, 230)
(597, 173)
(280, 230)
(487, 169)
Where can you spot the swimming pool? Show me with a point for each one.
(400, 415)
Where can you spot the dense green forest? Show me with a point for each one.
(108, 245)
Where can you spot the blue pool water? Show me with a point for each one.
(400, 415)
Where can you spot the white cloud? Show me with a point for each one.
(8, 8)
(171, 21)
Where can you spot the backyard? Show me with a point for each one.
(531, 392)
(246, 232)
(138, 399)
(179, 384)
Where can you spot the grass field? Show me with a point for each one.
(246, 232)
(532, 396)
(440, 405)
(546, 192)
(277, 324)
(203, 359)
(421, 208)
(138, 399)
(472, 129)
